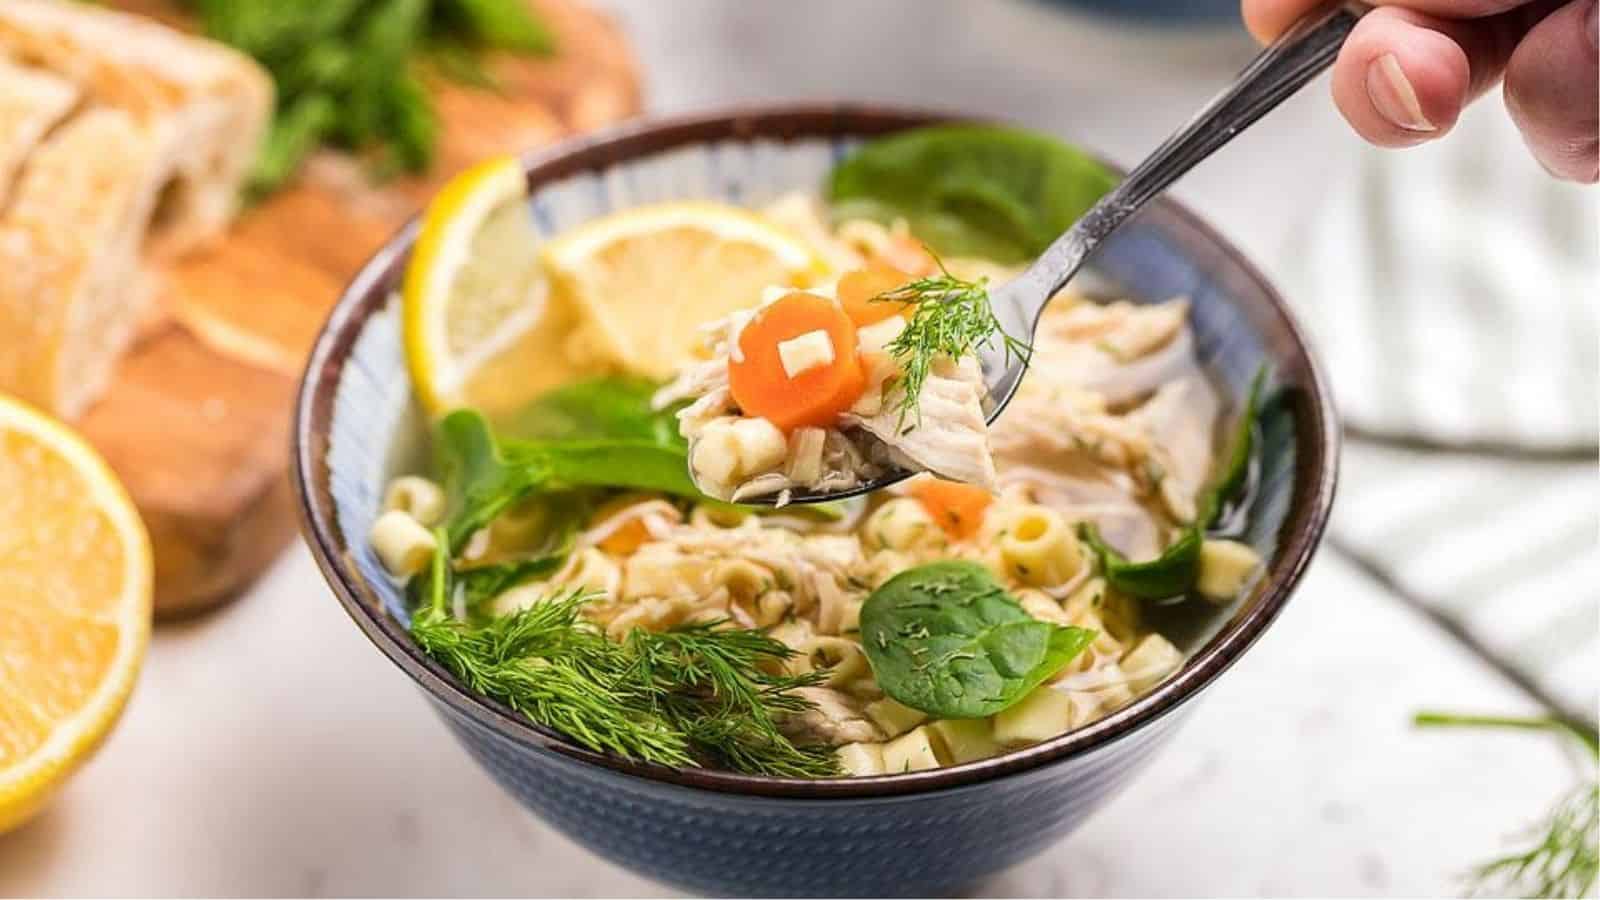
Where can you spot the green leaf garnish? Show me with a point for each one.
(1563, 858)
(971, 190)
(345, 70)
(1172, 574)
(698, 695)
(947, 639)
(951, 318)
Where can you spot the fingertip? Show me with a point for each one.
(1554, 104)
(1266, 19)
(1400, 84)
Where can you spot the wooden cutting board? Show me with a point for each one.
(197, 420)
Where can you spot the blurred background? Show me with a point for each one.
(1451, 291)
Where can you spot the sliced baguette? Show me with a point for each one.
(31, 103)
(70, 259)
(207, 105)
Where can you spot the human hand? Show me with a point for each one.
(1410, 66)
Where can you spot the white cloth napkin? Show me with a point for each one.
(1454, 292)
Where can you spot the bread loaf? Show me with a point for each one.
(122, 143)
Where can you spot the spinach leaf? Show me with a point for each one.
(947, 639)
(639, 465)
(480, 479)
(971, 190)
(481, 584)
(598, 408)
(1236, 458)
(1171, 574)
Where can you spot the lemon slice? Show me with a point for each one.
(74, 605)
(647, 278)
(473, 286)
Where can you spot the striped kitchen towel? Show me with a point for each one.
(1454, 293)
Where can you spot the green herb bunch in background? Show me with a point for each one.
(348, 71)
(1562, 855)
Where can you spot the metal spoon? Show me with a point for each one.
(1280, 70)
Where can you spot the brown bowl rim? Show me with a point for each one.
(1317, 438)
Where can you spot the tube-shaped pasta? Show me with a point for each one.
(402, 544)
(1037, 546)
(861, 759)
(1039, 716)
(893, 716)
(902, 524)
(416, 496)
(1150, 661)
(911, 752)
(843, 659)
(1225, 567)
(966, 740)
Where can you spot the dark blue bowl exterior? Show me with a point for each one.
(740, 845)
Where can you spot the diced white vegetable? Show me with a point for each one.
(1150, 660)
(1225, 566)
(805, 352)
(894, 717)
(966, 740)
(861, 759)
(910, 752)
(1039, 716)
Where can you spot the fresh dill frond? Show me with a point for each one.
(951, 318)
(1563, 859)
(698, 695)
(540, 662)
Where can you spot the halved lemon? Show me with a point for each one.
(75, 582)
(647, 278)
(473, 286)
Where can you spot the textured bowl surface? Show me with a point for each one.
(918, 833)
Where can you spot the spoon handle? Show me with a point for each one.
(1284, 67)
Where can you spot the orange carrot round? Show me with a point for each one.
(814, 397)
(957, 507)
(857, 288)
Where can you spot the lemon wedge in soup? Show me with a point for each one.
(474, 287)
(649, 277)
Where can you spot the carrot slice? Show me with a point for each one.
(814, 397)
(957, 507)
(857, 288)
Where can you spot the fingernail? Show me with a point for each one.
(1393, 96)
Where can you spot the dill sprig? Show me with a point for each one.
(952, 318)
(1563, 859)
(698, 695)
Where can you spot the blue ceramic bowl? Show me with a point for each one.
(919, 833)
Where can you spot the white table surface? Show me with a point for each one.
(270, 750)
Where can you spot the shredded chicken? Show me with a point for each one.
(947, 433)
